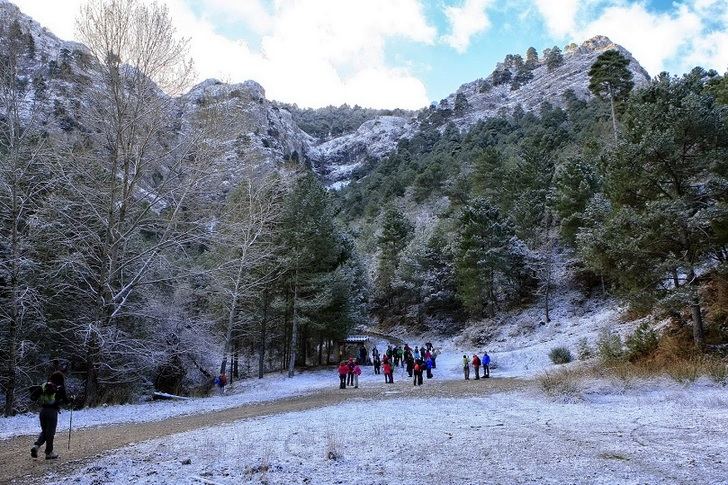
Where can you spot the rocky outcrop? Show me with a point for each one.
(335, 160)
(486, 97)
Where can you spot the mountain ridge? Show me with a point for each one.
(267, 135)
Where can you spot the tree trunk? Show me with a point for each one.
(14, 316)
(329, 344)
(92, 378)
(698, 333)
(294, 330)
(321, 349)
(235, 362)
(262, 337)
(614, 113)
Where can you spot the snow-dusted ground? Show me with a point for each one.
(272, 387)
(645, 435)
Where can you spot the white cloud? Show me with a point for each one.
(560, 16)
(466, 21)
(313, 53)
(653, 38)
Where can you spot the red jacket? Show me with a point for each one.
(387, 368)
(476, 361)
(343, 369)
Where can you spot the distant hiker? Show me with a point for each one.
(221, 382)
(417, 381)
(435, 353)
(388, 372)
(362, 355)
(486, 365)
(410, 361)
(50, 396)
(343, 370)
(476, 366)
(375, 353)
(350, 375)
(466, 367)
(429, 346)
(428, 366)
(400, 355)
(357, 373)
(407, 348)
(390, 352)
(417, 352)
(377, 365)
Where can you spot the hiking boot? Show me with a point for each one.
(51, 456)
(34, 452)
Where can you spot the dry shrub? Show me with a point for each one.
(562, 383)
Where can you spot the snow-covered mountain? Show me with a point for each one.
(264, 134)
(336, 159)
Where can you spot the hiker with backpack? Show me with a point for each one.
(418, 373)
(377, 365)
(221, 382)
(466, 367)
(343, 370)
(486, 365)
(476, 366)
(388, 375)
(357, 373)
(410, 361)
(350, 375)
(50, 396)
(428, 366)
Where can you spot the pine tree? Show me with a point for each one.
(553, 58)
(396, 230)
(490, 261)
(531, 58)
(659, 180)
(610, 77)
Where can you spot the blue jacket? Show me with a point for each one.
(428, 363)
(486, 359)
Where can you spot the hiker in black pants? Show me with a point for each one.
(418, 369)
(410, 363)
(377, 365)
(50, 396)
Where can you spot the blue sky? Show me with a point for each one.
(406, 53)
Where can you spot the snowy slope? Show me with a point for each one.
(638, 437)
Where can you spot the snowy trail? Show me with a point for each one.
(90, 443)
(518, 436)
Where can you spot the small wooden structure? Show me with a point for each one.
(351, 345)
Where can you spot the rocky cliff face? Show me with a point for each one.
(59, 75)
(472, 102)
(263, 134)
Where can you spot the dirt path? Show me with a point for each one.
(89, 443)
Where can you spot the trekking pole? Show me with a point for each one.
(70, 426)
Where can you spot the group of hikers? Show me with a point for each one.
(477, 363)
(417, 362)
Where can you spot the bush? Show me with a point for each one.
(563, 383)
(560, 355)
(642, 343)
(609, 347)
(584, 350)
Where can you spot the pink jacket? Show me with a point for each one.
(357, 370)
